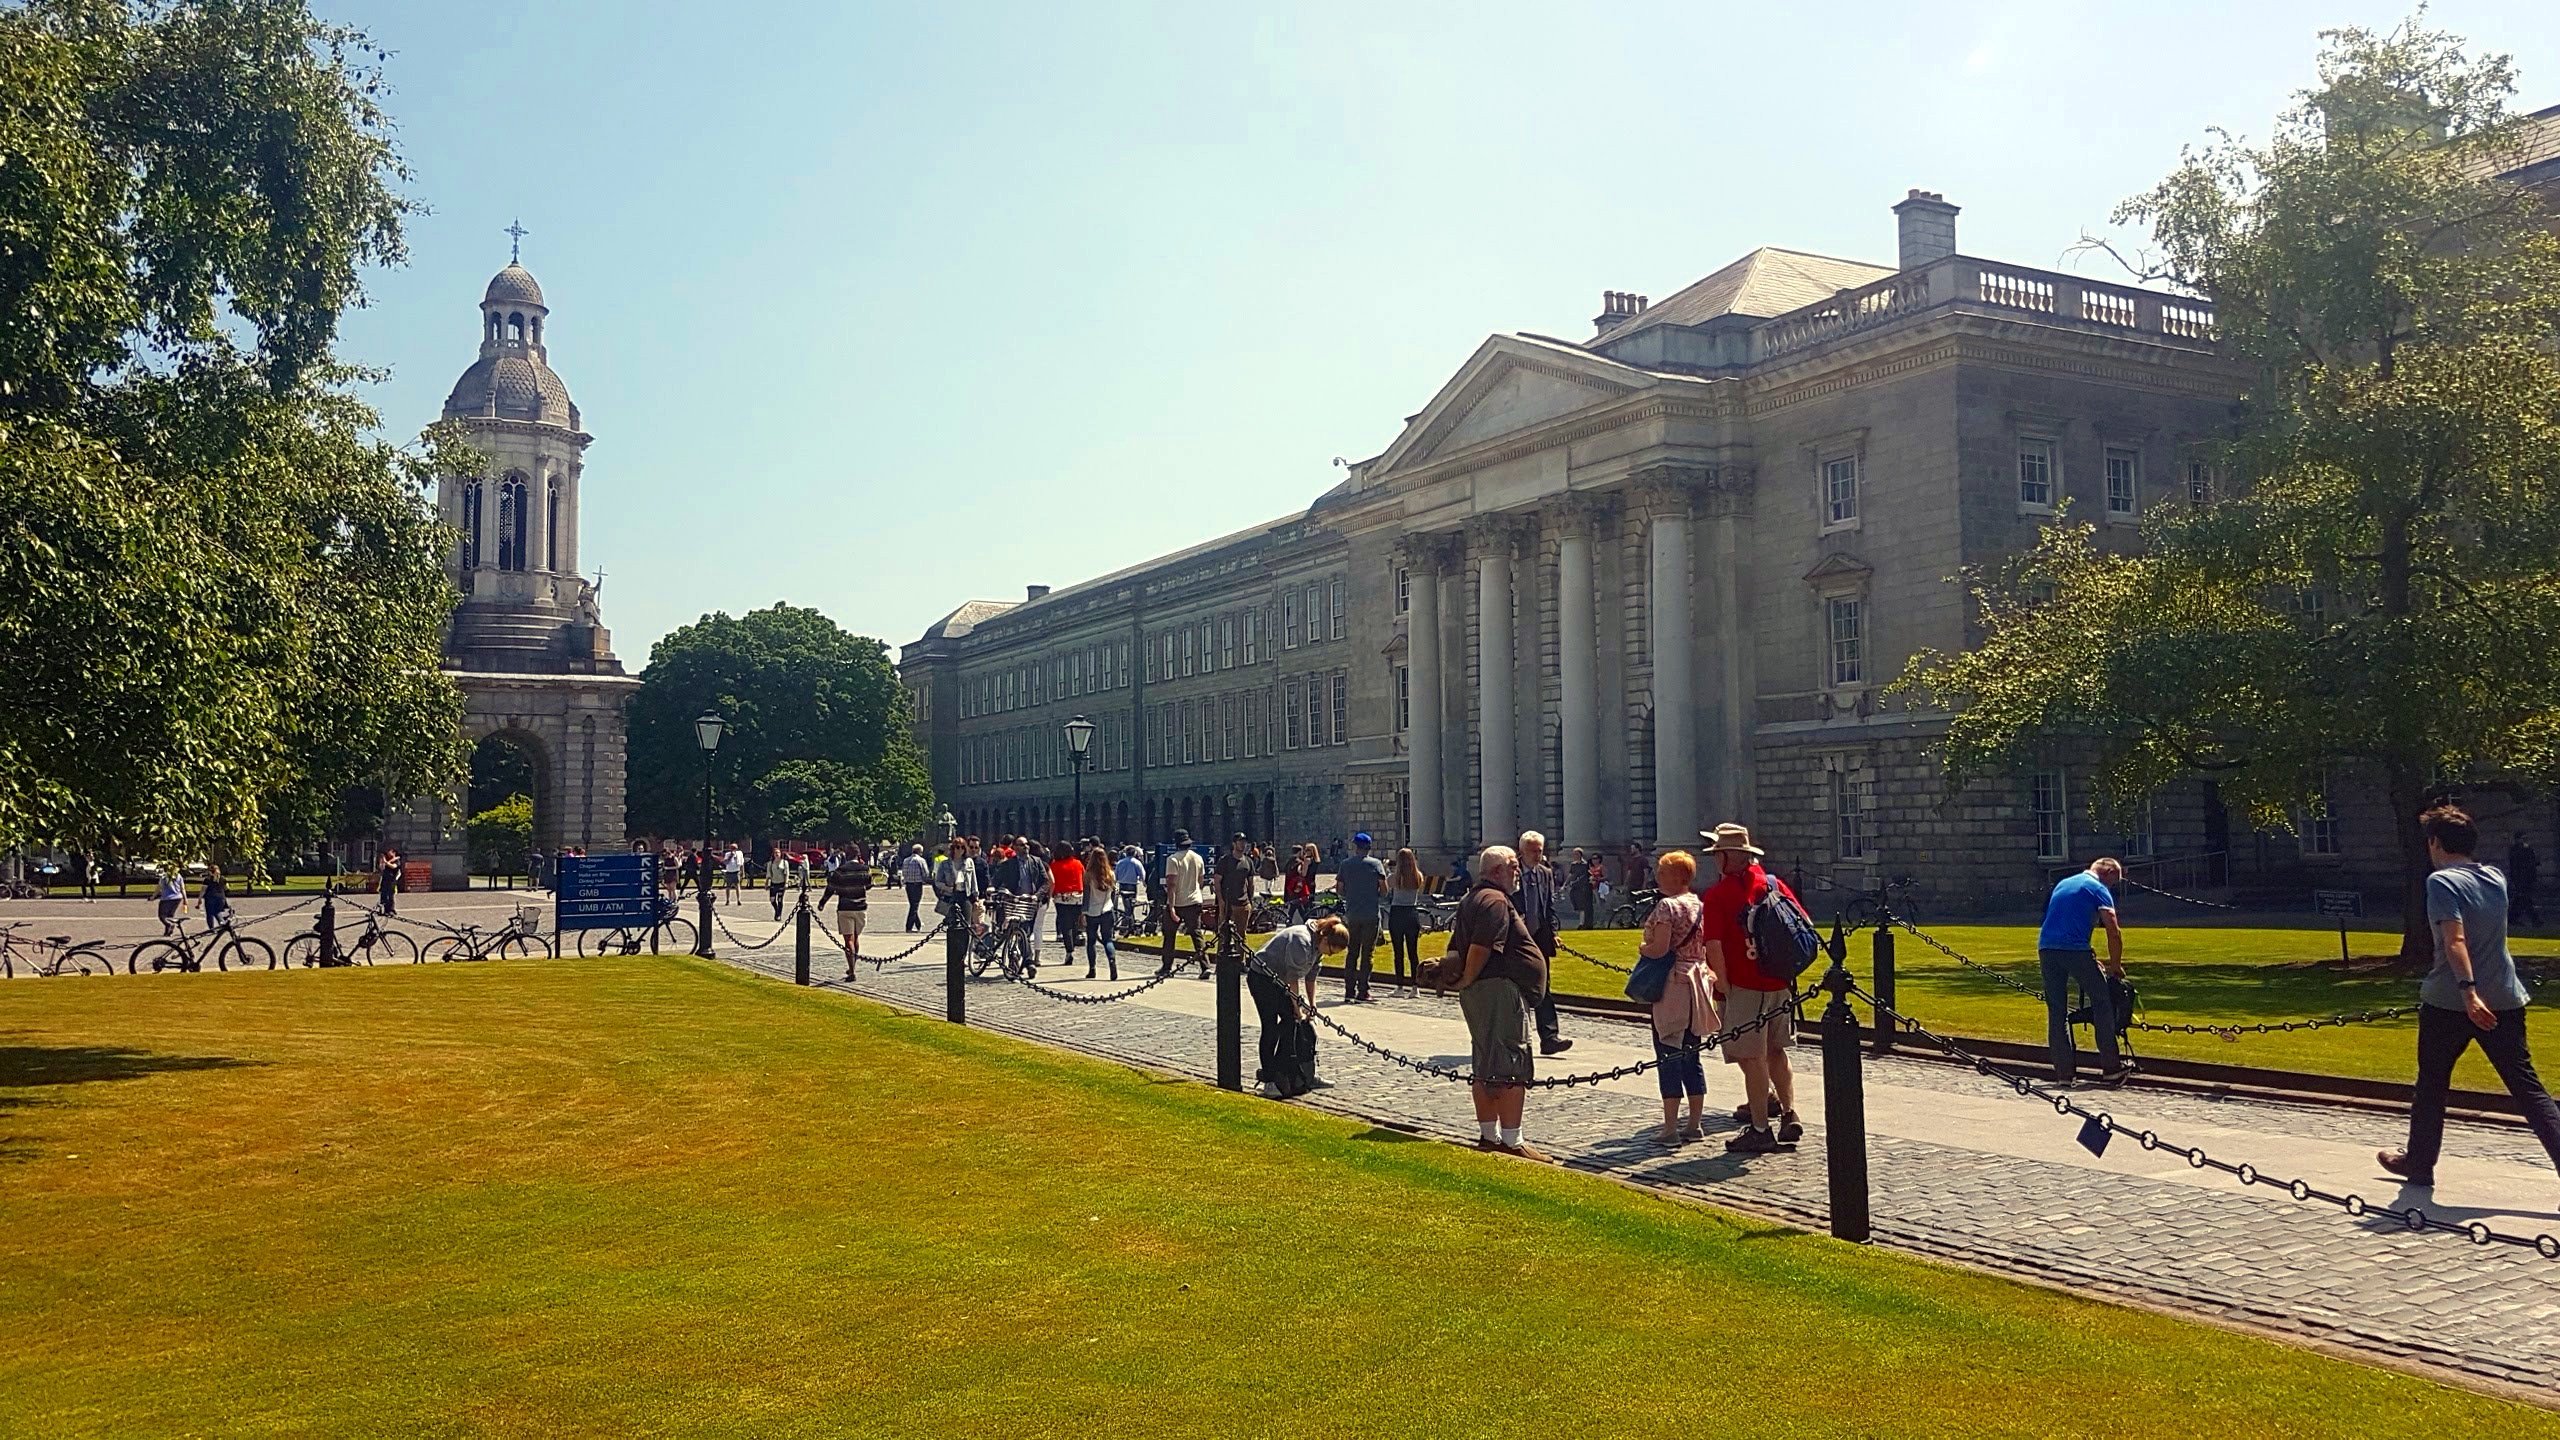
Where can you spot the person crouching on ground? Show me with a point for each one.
(2079, 904)
(2473, 993)
(1744, 994)
(1282, 977)
(1677, 928)
(849, 886)
(1498, 973)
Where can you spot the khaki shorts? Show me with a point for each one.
(849, 923)
(1741, 1007)
(1498, 1024)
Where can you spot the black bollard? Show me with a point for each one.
(955, 965)
(800, 947)
(1884, 981)
(1230, 1017)
(1844, 1104)
(702, 900)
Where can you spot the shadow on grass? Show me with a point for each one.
(26, 1066)
(1381, 1135)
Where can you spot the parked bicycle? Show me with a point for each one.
(376, 946)
(1009, 941)
(52, 955)
(224, 945)
(675, 935)
(1893, 895)
(1634, 910)
(515, 940)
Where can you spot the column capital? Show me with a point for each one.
(1579, 511)
(1672, 489)
(1498, 533)
(1434, 551)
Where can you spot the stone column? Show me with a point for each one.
(1577, 664)
(1675, 698)
(1422, 659)
(1734, 761)
(1497, 735)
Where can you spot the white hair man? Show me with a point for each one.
(2078, 905)
(1498, 972)
(1534, 896)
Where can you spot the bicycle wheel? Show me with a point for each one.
(674, 937)
(524, 947)
(445, 947)
(244, 952)
(387, 947)
(87, 959)
(158, 955)
(302, 951)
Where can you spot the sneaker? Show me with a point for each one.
(1790, 1129)
(1553, 1044)
(1752, 1141)
(2115, 1078)
(2397, 1162)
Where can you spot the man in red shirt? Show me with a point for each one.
(1744, 994)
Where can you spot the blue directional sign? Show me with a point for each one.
(606, 892)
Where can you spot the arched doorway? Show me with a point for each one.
(508, 808)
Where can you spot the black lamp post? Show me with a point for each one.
(707, 729)
(1079, 740)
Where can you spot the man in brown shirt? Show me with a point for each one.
(1500, 973)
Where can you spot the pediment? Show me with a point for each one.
(1837, 571)
(1509, 385)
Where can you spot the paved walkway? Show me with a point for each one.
(1961, 1166)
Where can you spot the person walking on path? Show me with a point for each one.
(1298, 888)
(1405, 890)
(1361, 881)
(2472, 993)
(1101, 909)
(1231, 886)
(217, 899)
(1677, 928)
(915, 872)
(1182, 894)
(1282, 977)
(1066, 887)
(849, 886)
(387, 897)
(957, 884)
(1498, 973)
(734, 866)
(1580, 888)
(1743, 993)
(2078, 905)
(2524, 868)
(777, 878)
(173, 901)
(1534, 896)
(1131, 873)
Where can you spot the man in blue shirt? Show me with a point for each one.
(1362, 883)
(2078, 905)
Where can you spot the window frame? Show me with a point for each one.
(1827, 474)
(1340, 686)
(2058, 784)
(1290, 718)
(1844, 671)
(2048, 450)
(1334, 626)
(1252, 634)
(1289, 619)
(2131, 513)
(1404, 699)
(1404, 589)
(1853, 816)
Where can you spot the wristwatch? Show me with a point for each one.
(2468, 984)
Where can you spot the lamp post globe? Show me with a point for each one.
(708, 727)
(1079, 740)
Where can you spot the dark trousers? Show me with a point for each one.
(915, 900)
(390, 897)
(1583, 905)
(1070, 924)
(2442, 1037)
(2520, 901)
(1358, 962)
(1404, 935)
(1548, 1027)
(2061, 967)
(1279, 1017)
(775, 891)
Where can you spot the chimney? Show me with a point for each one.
(1034, 592)
(1927, 224)
(1617, 307)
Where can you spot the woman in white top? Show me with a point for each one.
(1101, 909)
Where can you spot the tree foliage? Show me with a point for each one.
(816, 743)
(220, 598)
(501, 836)
(2376, 587)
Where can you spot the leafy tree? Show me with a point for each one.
(220, 598)
(816, 744)
(501, 836)
(2376, 589)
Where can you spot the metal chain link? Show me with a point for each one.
(1596, 1077)
(1595, 960)
(1072, 998)
(2174, 895)
(1958, 956)
(878, 961)
(746, 944)
(2412, 1217)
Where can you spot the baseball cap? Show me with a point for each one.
(1362, 839)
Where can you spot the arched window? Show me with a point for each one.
(511, 523)
(515, 327)
(471, 524)
(551, 528)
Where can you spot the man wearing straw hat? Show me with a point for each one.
(1745, 994)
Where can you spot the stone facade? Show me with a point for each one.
(1621, 589)
(527, 646)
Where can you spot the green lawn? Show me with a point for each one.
(656, 1196)
(2185, 976)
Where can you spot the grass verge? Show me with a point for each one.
(654, 1195)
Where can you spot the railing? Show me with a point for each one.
(1959, 279)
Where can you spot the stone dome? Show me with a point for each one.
(513, 286)
(512, 386)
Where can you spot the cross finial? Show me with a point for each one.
(515, 233)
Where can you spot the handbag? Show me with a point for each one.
(1652, 974)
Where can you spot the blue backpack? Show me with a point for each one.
(1784, 943)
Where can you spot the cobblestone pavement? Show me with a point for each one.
(1990, 1179)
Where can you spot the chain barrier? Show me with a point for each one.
(1958, 956)
(2181, 899)
(754, 944)
(1596, 1077)
(1595, 960)
(1072, 998)
(878, 961)
(2412, 1217)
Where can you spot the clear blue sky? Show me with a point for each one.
(883, 308)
